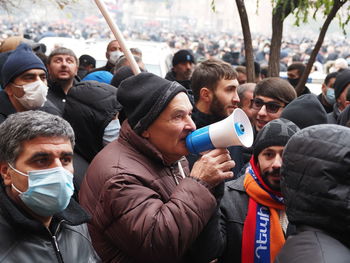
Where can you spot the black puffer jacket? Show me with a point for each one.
(90, 106)
(316, 188)
(23, 239)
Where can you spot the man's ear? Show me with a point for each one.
(205, 95)
(4, 170)
(145, 134)
(8, 90)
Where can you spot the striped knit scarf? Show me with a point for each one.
(262, 232)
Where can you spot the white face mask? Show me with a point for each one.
(114, 56)
(34, 95)
(111, 132)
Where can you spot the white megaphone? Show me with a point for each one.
(234, 130)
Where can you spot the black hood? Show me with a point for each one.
(305, 111)
(316, 179)
(90, 106)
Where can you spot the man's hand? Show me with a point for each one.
(213, 167)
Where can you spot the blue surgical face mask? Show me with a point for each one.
(49, 191)
(111, 132)
(330, 97)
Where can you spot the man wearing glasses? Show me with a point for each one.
(271, 95)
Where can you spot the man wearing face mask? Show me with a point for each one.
(327, 96)
(39, 222)
(24, 78)
(113, 53)
(294, 72)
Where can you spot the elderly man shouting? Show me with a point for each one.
(145, 204)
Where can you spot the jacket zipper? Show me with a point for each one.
(173, 174)
(57, 250)
(55, 243)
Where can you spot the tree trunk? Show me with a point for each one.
(336, 6)
(248, 46)
(276, 41)
(280, 12)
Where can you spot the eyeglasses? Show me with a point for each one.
(271, 107)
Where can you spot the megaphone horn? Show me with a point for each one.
(236, 129)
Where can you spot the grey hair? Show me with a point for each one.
(24, 126)
(242, 89)
(62, 51)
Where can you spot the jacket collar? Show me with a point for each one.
(236, 184)
(139, 143)
(6, 107)
(72, 215)
(202, 119)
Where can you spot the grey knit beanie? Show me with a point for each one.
(275, 133)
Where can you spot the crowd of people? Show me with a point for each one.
(95, 167)
(205, 45)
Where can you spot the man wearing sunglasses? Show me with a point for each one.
(271, 95)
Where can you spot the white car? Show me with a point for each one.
(155, 55)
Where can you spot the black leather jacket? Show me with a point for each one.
(23, 239)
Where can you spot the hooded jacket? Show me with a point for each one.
(142, 209)
(23, 239)
(305, 111)
(90, 106)
(317, 193)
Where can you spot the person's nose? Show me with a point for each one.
(235, 98)
(188, 66)
(190, 125)
(262, 111)
(277, 163)
(56, 163)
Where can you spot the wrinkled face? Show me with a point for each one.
(38, 154)
(225, 98)
(246, 105)
(168, 132)
(270, 162)
(26, 77)
(62, 67)
(263, 115)
(184, 70)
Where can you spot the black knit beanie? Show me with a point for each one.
(144, 97)
(183, 55)
(341, 81)
(20, 60)
(275, 133)
(305, 111)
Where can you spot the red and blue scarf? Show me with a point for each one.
(262, 232)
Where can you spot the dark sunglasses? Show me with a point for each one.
(271, 107)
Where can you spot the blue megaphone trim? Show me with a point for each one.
(199, 141)
(239, 128)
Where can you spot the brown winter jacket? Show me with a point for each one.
(139, 213)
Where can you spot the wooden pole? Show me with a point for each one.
(118, 36)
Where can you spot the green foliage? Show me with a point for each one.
(212, 5)
(63, 3)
